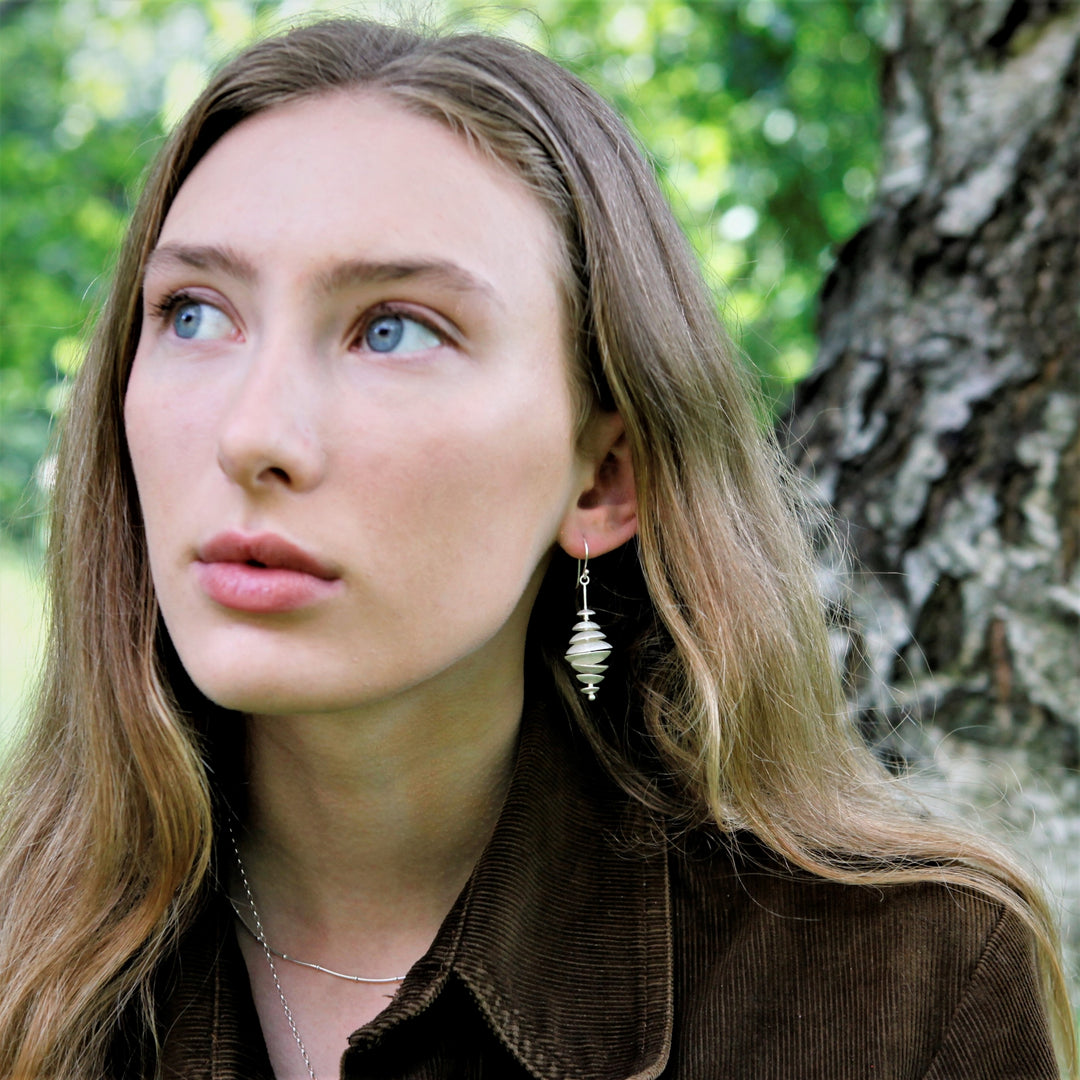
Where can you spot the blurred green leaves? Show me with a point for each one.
(761, 117)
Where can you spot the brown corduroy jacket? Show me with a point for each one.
(574, 953)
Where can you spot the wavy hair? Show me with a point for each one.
(731, 713)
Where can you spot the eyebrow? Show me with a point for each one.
(341, 276)
(202, 257)
(442, 272)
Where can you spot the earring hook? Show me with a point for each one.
(583, 575)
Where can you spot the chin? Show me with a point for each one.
(246, 696)
(237, 681)
(290, 688)
(266, 700)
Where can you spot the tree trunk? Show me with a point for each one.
(942, 422)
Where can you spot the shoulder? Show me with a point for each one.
(921, 979)
(752, 890)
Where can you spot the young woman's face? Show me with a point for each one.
(350, 415)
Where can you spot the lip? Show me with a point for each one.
(262, 573)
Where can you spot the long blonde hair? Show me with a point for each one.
(736, 716)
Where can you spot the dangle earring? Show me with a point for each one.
(588, 646)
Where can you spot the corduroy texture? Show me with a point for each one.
(576, 952)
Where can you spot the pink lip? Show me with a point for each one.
(263, 573)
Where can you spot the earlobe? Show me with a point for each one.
(605, 514)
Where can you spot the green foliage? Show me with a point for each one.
(761, 117)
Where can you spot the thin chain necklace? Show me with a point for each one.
(260, 936)
(307, 963)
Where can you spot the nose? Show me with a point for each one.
(268, 437)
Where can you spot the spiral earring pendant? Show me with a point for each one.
(588, 645)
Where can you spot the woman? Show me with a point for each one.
(406, 362)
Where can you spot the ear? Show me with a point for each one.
(605, 514)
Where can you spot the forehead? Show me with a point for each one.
(356, 175)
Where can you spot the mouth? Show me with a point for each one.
(263, 551)
(262, 573)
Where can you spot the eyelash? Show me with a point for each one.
(401, 311)
(162, 309)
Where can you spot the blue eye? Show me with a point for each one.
(396, 333)
(195, 321)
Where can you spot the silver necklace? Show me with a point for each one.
(307, 963)
(260, 936)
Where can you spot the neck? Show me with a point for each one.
(363, 827)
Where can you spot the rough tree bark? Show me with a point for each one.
(942, 421)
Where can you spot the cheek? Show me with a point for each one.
(166, 431)
(465, 500)
(468, 457)
(146, 439)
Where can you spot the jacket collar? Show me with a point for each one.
(562, 936)
(565, 937)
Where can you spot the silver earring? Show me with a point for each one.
(588, 646)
